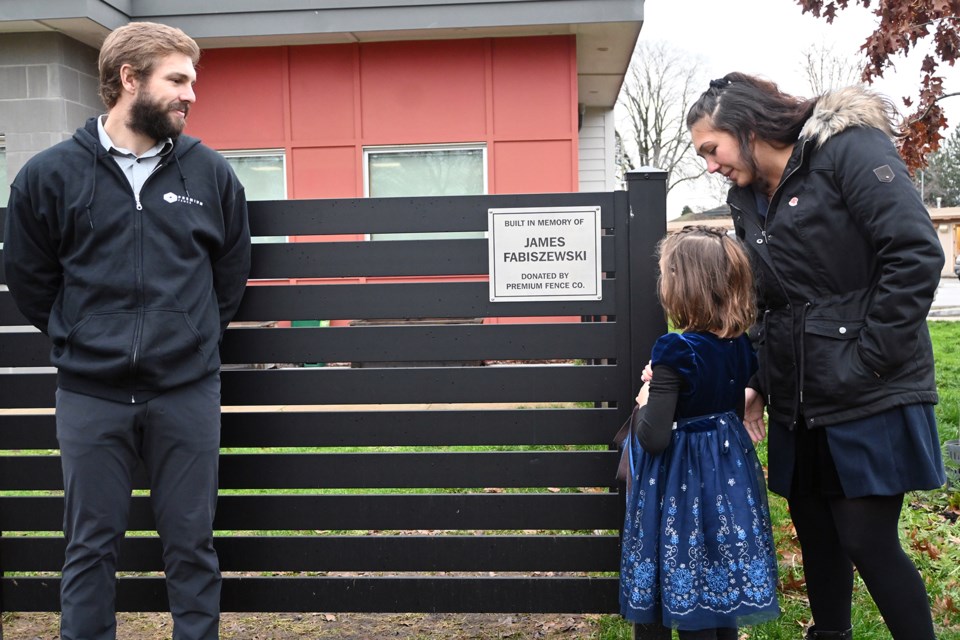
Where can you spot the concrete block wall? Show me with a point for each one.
(48, 88)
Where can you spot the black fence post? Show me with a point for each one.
(3, 212)
(647, 189)
(647, 223)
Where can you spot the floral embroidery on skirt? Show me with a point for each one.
(697, 543)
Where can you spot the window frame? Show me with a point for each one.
(261, 153)
(400, 149)
(255, 153)
(5, 187)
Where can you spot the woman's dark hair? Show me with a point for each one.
(742, 105)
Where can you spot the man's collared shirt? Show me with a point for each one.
(135, 168)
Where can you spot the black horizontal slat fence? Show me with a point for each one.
(435, 451)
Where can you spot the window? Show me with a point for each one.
(263, 175)
(435, 170)
(262, 172)
(4, 183)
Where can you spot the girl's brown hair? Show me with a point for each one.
(141, 45)
(706, 283)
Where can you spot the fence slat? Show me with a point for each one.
(362, 595)
(390, 512)
(429, 342)
(24, 349)
(516, 384)
(9, 314)
(436, 427)
(383, 258)
(403, 300)
(351, 553)
(373, 301)
(364, 470)
(407, 215)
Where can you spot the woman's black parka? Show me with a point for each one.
(847, 262)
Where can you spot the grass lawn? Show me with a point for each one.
(928, 532)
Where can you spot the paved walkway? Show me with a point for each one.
(946, 306)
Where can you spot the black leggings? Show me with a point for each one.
(722, 633)
(837, 534)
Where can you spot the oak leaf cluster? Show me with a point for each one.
(901, 26)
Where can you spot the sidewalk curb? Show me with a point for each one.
(944, 312)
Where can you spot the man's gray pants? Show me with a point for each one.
(176, 435)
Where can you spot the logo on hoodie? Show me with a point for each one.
(171, 197)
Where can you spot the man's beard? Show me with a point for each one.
(155, 120)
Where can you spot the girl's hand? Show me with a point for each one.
(647, 374)
(753, 415)
(643, 395)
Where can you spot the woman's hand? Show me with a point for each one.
(753, 415)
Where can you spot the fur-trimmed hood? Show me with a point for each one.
(845, 108)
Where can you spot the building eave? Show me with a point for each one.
(606, 31)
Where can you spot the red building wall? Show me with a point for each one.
(322, 104)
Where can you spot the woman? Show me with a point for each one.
(847, 263)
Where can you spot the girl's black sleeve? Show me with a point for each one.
(654, 421)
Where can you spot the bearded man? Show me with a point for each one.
(129, 246)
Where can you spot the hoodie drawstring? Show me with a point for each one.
(93, 191)
(183, 178)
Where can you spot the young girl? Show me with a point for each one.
(697, 545)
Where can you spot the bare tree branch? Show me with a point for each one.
(826, 70)
(660, 86)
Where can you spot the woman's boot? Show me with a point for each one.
(814, 634)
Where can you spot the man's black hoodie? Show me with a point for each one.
(134, 292)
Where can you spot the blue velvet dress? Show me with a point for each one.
(697, 544)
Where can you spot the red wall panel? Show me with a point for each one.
(534, 167)
(322, 88)
(240, 98)
(534, 86)
(432, 91)
(325, 172)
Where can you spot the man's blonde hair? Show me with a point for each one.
(141, 45)
(706, 283)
